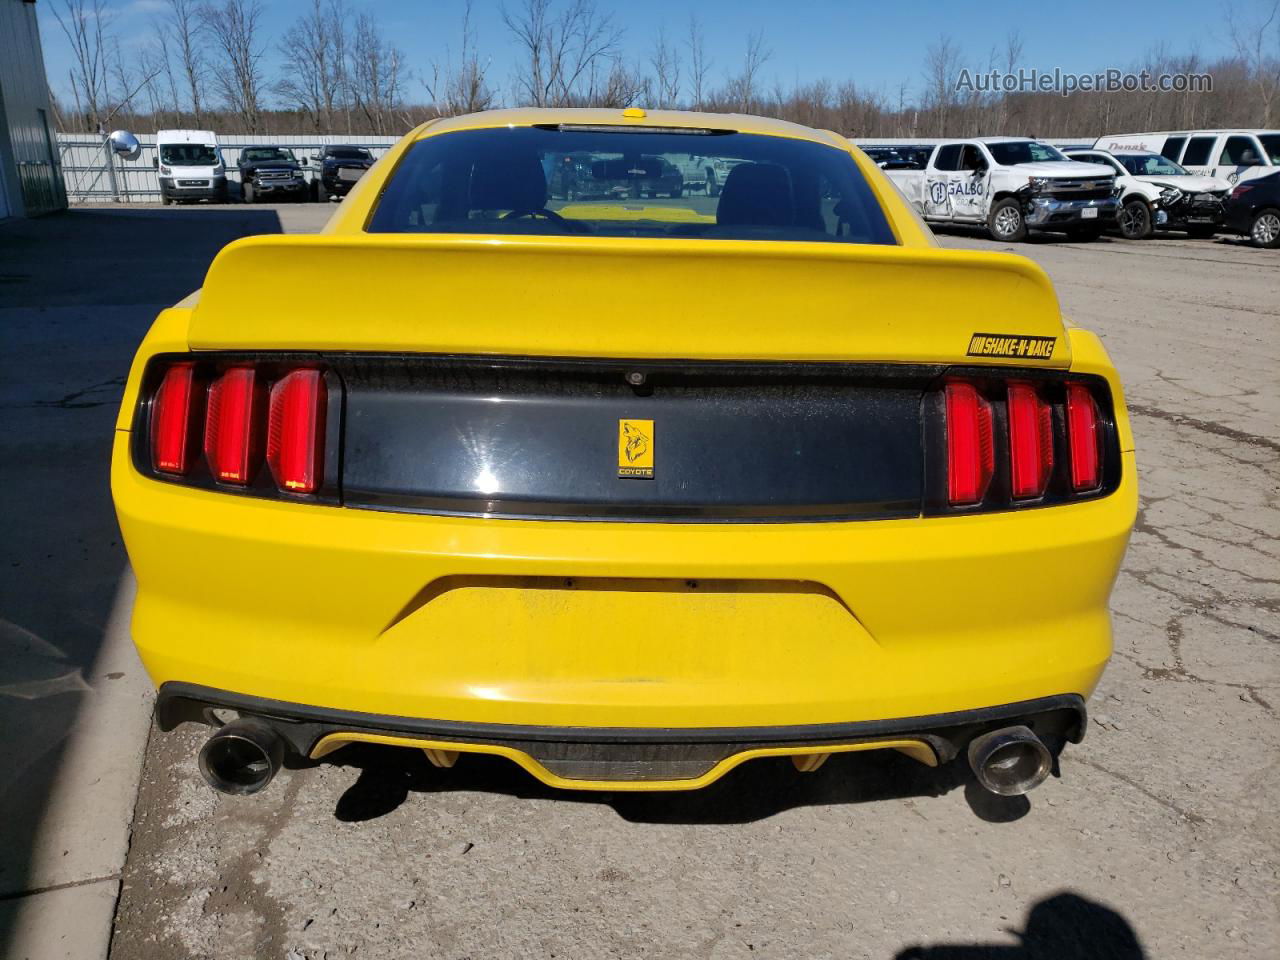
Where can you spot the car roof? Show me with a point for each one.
(599, 116)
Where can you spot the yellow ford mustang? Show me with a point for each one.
(629, 447)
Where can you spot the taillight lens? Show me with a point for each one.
(295, 434)
(1030, 441)
(970, 451)
(171, 433)
(232, 433)
(1083, 438)
(1241, 190)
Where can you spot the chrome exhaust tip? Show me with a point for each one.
(242, 757)
(1010, 761)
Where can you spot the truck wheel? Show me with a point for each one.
(1135, 220)
(165, 199)
(246, 192)
(1265, 231)
(1005, 222)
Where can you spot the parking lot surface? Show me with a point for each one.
(1161, 839)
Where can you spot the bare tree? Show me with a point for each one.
(85, 24)
(941, 65)
(237, 71)
(665, 61)
(311, 78)
(744, 88)
(378, 75)
(562, 52)
(338, 23)
(184, 28)
(1253, 39)
(463, 88)
(699, 64)
(159, 55)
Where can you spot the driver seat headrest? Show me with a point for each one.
(511, 181)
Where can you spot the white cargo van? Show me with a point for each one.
(190, 166)
(1233, 155)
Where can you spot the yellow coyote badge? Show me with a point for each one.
(635, 448)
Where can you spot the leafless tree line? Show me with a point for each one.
(206, 63)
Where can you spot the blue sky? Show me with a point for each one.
(879, 45)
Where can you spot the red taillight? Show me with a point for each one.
(1030, 441)
(171, 421)
(970, 454)
(1082, 437)
(295, 435)
(1241, 190)
(232, 432)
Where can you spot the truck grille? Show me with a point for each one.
(1081, 189)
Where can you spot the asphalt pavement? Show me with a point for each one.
(1161, 838)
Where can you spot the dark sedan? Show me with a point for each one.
(1253, 209)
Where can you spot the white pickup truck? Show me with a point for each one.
(1012, 185)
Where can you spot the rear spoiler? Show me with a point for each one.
(632, 298)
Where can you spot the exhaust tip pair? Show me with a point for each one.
(1010, 761)
(244, 756)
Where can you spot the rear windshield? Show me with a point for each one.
(348, 153)
(1023, 151)
(188, 155)
(573, 182)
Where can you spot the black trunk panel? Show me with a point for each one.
(540, 438)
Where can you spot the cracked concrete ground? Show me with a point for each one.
(1161, 839)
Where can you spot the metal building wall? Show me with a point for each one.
(29, 172)
(89, 177)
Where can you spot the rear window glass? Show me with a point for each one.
(1197, 154)
(347, 153)
(604, 182)
(1271, 144)
(1172, 147)
(1012, 153)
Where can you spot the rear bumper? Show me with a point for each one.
(655, 625)
(626, 758)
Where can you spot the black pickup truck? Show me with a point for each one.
(337, 168)
(270, 172)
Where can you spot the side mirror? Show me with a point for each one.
(315, 157)
(155, 162)
(124, 145)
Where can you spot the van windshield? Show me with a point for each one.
(1023, 151)
(630, 182)
(188, 155)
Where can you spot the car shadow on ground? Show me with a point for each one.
(1065, 926)
(754, 791)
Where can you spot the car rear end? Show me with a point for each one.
(627, 510)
